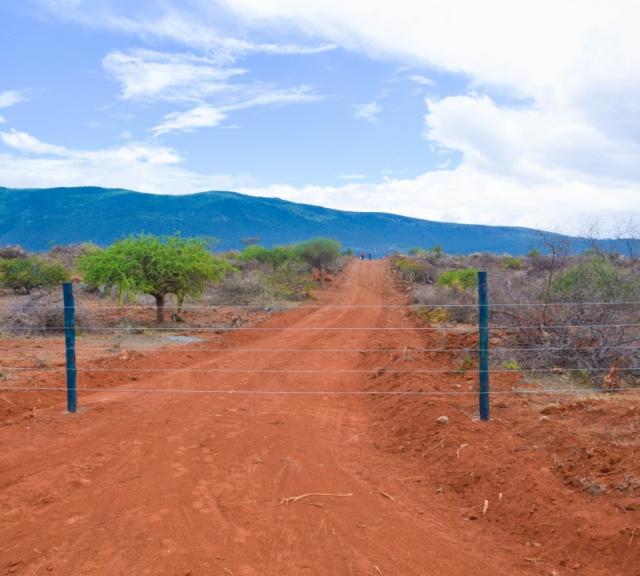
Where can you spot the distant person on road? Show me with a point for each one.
(361, 255)
(369, 255)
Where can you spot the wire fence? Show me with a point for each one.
(547, 340)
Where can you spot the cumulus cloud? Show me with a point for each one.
(568, 75)
(466, 194)
(369, 111)
(548, 123)
(470, 195)
(30, 162)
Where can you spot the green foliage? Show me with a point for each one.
(290, 281)
(465, 364)
(434, 315)
(459, 279)
(434, 252)
(274, 257)
(511, 365)
(155, 265)
(319, 253)
(534, 253)
(26, 274)
(412, 270)
(594, 281)
(512, 263)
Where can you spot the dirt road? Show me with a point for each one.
(253, 484)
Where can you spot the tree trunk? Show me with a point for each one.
(159, 308)
(321, 275)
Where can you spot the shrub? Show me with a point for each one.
(511, 365)
(26, 274)
(11, 252)
(413, 270)
(459, 279)
(43, 313)
(319, 253)
(437, 315)
(512, 263)
(594, 280)
(273, 257)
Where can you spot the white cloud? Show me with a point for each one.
(421, 80)
(528, 143)
(150, 75)
(210, 116)
(156, 76)
(352, 176)
(10, 98)
(130, 153)
(198, 117)
(368, 111)
(561, 141)
(569, 78)
(197, 25)
(138, 166)
(467, 193)
(2, 120)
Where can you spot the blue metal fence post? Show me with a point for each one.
(70, 344)
(483, 326)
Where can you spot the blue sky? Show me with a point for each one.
(447, 111)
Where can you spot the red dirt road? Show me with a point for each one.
(203, 484)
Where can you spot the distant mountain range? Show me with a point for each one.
(40, 218)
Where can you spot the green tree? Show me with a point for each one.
(26, 274)
(320, 253)
(155, 265)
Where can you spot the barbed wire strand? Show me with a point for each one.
(312, 371)
(322, 392)
(270, 307)
(161, 349)
(320, 328)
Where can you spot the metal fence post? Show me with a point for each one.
(483, 327)
(70, 344)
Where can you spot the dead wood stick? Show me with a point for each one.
(287, 499)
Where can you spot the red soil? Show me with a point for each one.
(200, 484)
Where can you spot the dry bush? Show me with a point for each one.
(435, 300)
(242, 289)
(577, 321)
(67, 255)
(11, 252)
(546, 312)
(42, 313)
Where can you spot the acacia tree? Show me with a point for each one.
(154, 265)
(320, 253)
